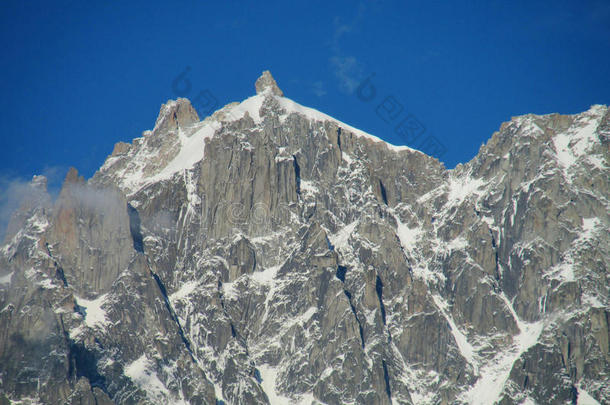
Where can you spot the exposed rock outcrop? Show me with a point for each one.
(272, 254)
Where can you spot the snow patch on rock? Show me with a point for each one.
(495, 373)
(95, 315)
(6, 279)
(143, 375)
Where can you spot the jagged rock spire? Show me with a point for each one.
(266, 81)
(175, 114)
(73, 177)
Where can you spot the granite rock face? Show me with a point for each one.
(272, 254)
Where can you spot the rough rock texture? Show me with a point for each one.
(266, 81)
(272, 254)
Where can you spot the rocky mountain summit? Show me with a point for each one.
(272, 254)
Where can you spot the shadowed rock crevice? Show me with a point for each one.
(340, 274)
(386, 378)
(82, 362)
(384, 195)
(379, 290)
(339, 138)
(297, 174)
(341, 270)
(351, 304)
(575, 395)
(59, 274)
(494, 245)
(59, 271)
(224, 309)
(134, 228)
(172, 313)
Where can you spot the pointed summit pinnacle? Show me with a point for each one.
(266, 81)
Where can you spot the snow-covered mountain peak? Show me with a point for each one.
(177, 141)
(272, 254)
(175, 114)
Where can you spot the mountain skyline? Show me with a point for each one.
(270, 254)
(77, 77)
(413, 209)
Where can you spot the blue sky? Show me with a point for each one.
(79, 76)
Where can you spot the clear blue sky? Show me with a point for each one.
(76, 77)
